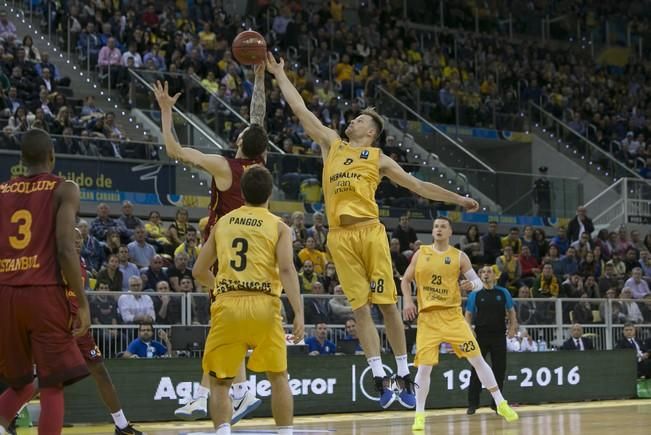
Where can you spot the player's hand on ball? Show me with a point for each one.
(83, 317)
(161, 92)
(466, 285)
(273, 66)
(409, 310)
(298, 332)
(470, 204)
(259, 70)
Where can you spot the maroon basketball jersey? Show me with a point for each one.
(223, 202)
(28, 252)
(72, 297)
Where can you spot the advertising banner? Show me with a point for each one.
(109, 181)
(150, 390)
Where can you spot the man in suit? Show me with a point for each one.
(580, 224)
(577, 341)
(641, 353)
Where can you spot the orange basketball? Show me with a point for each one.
(249, 48)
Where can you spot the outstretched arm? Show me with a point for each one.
(258, 102)
(214, 164)
(319, 133)
(391, 169)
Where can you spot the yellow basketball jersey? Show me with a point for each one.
(350, 178)
(437, 278)
(246, 241)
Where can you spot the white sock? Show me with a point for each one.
(285, 430)
(119, 419)
(239, 390)
(201, 392)
(487, 378)
(401, 362)
(2, 431)
(224, 429)
(422, 380)
(376, 366)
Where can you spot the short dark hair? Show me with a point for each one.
(257, 185)
(254, 141)
(629, 324)
(35, 147)
(444, 218)
(151, 325)
(377, 120)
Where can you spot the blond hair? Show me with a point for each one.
(377, 120)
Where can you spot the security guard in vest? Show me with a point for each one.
(489, 308)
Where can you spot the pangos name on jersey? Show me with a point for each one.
(229, 285)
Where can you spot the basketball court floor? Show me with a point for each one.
(629, 417)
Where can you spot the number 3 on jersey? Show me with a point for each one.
(242, 246)
(23, 218)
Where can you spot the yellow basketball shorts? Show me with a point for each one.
(445, 325)
(363, 262)
(243, 322)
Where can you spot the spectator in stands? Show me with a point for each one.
(330, 279)
(166, 306)
(90, 107)
(155, 231)
(134, 307)
(315, 256)
(340, 308)
(608, 279)
(113, 242)
(527, 343)
(579, 225)
(91, 249)
(645, 308)
(582, 244)
(525, 310)
(145, 346)
(645, 264)
(89, 42)
(179, 271)
(591, 288)
(561, 241)
(7, 28)
(299, 232)
(103, 308)
(13, 100)
(528, 239)
(603, 242)
(179, 228)
(471, 244)
(127, 268)
(622, 244)
(132, 52)
(307, 277)
(129, 221)
(154, 273)
(318, 231)
(639, 287)
(546, 286)
(512, 240)
(572, 287)
(318, 344)
(636, 240)
(154, 55)
(317, 308)
(44, 64)
(589, 267)
(508, 269)
(111, 274)
(642, 355)
(617, 316)
(140, 251)
(582, 311)
(102, 223)
(629, 307)
(619, 267)
(398, 259)
(18, 122)
(491, 243)
(190, 246)
(528, 263)
(405, 233)
(630, 260)
(569, 263)
(577, 341)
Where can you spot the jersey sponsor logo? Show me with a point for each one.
(364, 155)
(348, 161)
(230, 285)
(344, 175)
(448, 260)
(19, 264)
(499, 298)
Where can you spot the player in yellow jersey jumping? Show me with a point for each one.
(357, 241)
(436, 269)
(254, 251)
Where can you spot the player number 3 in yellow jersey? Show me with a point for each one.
(436, 269)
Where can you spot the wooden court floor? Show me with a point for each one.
(632, 417)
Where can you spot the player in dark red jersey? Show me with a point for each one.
(226, 196)
(37, 252)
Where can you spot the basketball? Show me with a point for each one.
(249, 48)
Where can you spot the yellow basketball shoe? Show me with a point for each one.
(507, 412)
(419, 422)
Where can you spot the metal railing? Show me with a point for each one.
(590, 156)
(626, 201)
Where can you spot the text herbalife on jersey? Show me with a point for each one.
(183, 391)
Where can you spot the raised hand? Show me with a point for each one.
(470, 205)
(259, 69)
(161, 92)
(273, 66)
